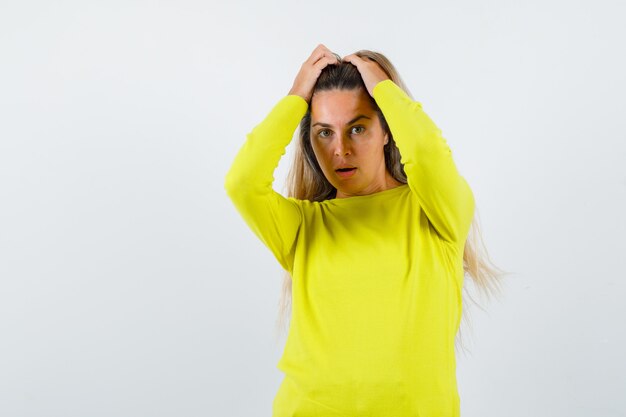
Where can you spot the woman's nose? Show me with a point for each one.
(342, 146)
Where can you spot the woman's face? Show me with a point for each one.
(346, 131)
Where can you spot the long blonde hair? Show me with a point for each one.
(306, 181)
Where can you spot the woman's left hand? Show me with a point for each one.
(370, 71)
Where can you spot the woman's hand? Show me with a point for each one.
(370, 71)
(310, 71)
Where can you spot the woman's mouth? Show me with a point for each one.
(345, 172)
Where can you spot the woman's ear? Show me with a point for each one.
(386, 138)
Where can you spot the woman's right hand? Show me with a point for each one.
(310, 70)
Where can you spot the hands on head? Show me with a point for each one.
(310, 70)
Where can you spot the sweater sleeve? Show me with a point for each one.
(443, 194)
(273, 218)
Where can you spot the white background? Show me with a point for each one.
(130, 286)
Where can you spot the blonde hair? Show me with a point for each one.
(306, 181)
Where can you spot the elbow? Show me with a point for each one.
(240, 187)
(231, 184)
(228, 182)
(471, 200)
(469, 211)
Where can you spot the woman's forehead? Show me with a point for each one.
(339, 106)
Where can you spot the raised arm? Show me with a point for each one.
(275, 219)
(443, 193)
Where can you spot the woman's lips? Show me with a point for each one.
(346, 173)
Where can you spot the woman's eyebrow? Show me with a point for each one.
(350, 122)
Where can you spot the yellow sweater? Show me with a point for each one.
(377, 279)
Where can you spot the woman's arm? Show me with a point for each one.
(274, 218)
(443, 193)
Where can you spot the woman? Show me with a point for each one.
(373, 236)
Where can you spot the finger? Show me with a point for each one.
(325, 60)
(320, 50)
(324, 48)
(315, 56)
(322, 63)
(321, 46)
(320, 55)
(353, 59)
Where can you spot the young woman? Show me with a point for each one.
(373, 236)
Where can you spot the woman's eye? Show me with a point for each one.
(322, 133)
